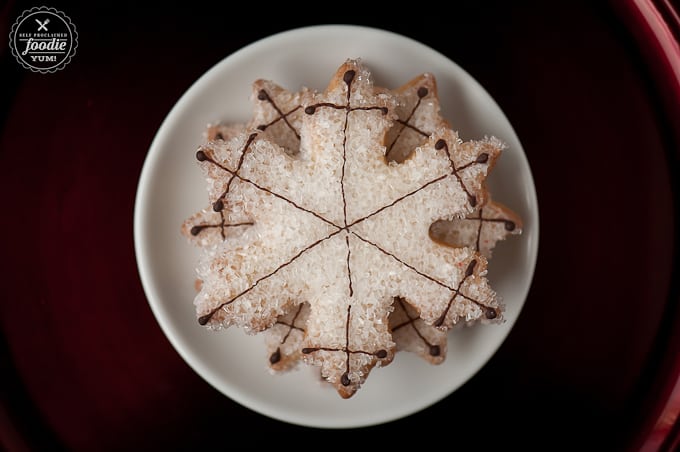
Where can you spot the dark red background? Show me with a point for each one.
(592, 358)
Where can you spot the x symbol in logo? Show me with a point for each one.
(43, 25)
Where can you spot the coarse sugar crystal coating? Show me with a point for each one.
(325, 243)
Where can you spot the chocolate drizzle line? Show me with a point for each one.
(348, 78)
(424, 275)
(422, 92)
(349, 269)
(204, 319)
(264, 96)
(479, 230)
(201, 155)
(276, 356)
(197, 229)
(456, 291)
(434, 349)
(489, 312)
(481, 158)
(398, 200)
(344, 379)
(508, 224)
(468, 272)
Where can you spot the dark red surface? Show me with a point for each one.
(592, 359)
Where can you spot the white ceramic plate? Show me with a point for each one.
(172, 187)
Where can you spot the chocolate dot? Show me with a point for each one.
(440, 144)
(473, 200)
(219, 136)
(509, 225)
(218, 205)
(483, 158)
(275, 357)
(470, 268)
(349, 76)
(262, 127)
(384, 110)
(195, 230)
(201, 156)
(202, 320)
(381, 354)
(422, 92)
(345, 379)
(490, 313)
(310, 110)
(307, 350)
(262, 95)
(435, 350)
